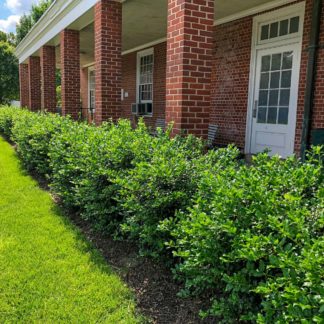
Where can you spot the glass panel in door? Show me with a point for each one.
(274, 88)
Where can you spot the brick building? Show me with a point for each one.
(254, 68)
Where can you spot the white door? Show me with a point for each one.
(275, 100)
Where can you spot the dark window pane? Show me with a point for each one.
(265, 32)
(272, 115)
(294, 25)
(275, 78)
(262, 114)
(265, 66)
(274, 30)
(283, 116)
(149, 108)
(286, 79)
(273, 98)
(263, 98)
(276, 62)
(287, 60)
(284, 97)
(264, 81)
(284, 27)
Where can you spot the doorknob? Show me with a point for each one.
(255, 107)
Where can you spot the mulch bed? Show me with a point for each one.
(155, 289)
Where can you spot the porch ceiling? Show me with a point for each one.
(145, 21)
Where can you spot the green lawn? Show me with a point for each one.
(48, 271)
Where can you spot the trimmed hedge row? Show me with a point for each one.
(250, 236)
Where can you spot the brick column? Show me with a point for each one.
(24, 85)
(34, 72)
(48, 67)
(108, 59)
(189, 60)
(70, 73)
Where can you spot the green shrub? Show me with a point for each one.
(86, 162)
(155, 189)
(33, 133)
(7, 114)
(69, 155)
(253, 238)
(114, 151)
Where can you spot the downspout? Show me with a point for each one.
(310, 77)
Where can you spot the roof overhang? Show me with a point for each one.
(61, 14)
(144, 21)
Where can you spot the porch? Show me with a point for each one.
(192, 63)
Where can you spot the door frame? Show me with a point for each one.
(90, 69)
(297, 39)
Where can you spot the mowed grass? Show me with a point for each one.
(48, 271)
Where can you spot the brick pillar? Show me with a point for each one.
(24, 85)
(70, 73)
(189, 60)
(108, 59)
(48, 67)
(34, 72)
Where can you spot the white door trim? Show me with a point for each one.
(90, 69)
(297, 9)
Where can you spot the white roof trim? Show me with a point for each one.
(57, 17)
(141, 47)
(253, 11)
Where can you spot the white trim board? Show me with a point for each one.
(142, 47)
(253, 11)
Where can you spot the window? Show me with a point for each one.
(145, 66)
(280, 28)
(275, 88)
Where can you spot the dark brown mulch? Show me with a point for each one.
(155, 289)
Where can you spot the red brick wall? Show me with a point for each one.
(318, 114)
(48, 69)
(129, 67)
(189, 60)
(108, 33)
(34, 83)
(70, 72)
(24, 85)
(230, 80)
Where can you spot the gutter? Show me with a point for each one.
(311, 76)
